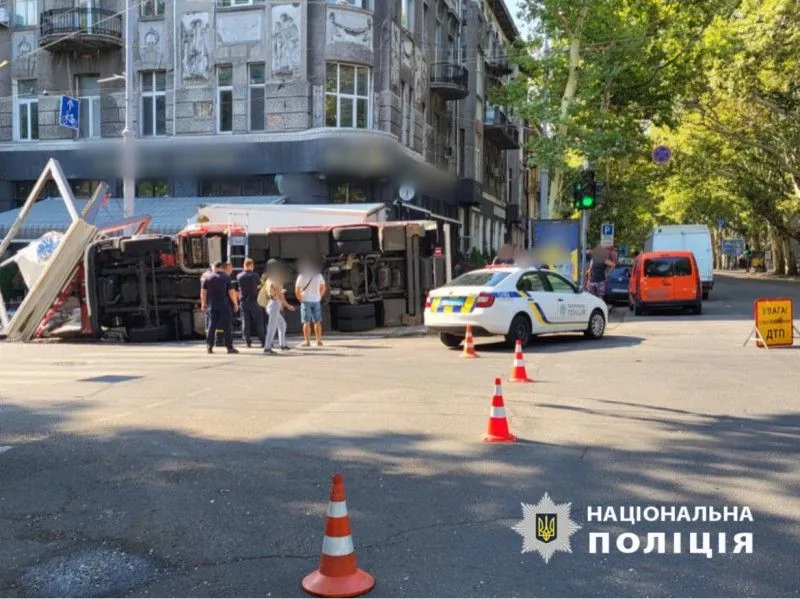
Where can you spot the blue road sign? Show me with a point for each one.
(662, 154)
(70, 113)
(721, 223)
(607, 230)
(733, 247)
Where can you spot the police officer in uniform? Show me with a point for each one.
(219, 299)
(252, 314)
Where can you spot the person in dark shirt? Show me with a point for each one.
(598, 270)
(217, 297)
(252, 314)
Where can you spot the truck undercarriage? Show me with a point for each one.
(147, 288)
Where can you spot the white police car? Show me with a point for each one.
(513, 302)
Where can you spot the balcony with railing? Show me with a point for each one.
(80, 29)
(500, 130)
(450, 81)
(497, 63)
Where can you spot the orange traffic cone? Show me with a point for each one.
(338, 575)
(518, 372)
(498, 424)
(469, 345)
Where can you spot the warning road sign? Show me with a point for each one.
(774, 322)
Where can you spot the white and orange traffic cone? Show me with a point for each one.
(518, 372)
(338, 575)
(498, 423)
(469, 345)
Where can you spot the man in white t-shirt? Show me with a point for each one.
(309, 289)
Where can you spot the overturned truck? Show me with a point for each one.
(147, 288)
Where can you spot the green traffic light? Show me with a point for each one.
(587, 201)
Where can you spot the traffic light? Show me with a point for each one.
(586, 191)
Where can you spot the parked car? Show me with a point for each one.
(669, 279)
(617, 284)
(512, 302)
(693, 238)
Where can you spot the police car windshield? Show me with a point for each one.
(479, 278)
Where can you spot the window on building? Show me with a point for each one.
(479, 157)
(26, 13)
(22, 189)
(367, 4)
(152, 188)
(225, 3)
(154, 103)
(89, 95)
(461, 143)
(258, 185)
(258, 80)
(347, 96)
(406, 115)
(407, 16)
(479, 77)
(425, 27)
(225, 98)
(27, 110)
(347, 193)
(152, 8)
(83, 188)
(438, 47)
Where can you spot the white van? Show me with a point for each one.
(695, 238)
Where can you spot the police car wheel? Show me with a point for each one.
(520, 329)
(450, 340)
(597, 325)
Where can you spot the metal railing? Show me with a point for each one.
(93, 21)
(448, 73)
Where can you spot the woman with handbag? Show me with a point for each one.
(273, 299)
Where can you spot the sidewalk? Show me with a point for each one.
(741, 274)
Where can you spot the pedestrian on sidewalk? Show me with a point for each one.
(219, 300)
(597, 272)
(272, 293)
(252, 314)
(309, 289)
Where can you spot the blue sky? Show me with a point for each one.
(513, 8)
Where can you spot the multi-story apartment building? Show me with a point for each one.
(268, 87)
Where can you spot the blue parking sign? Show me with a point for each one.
(607, 230)
(69, 114)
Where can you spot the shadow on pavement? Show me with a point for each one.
(230, 518)
(552, 344)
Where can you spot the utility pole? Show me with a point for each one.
(584, 230)
(128, 134)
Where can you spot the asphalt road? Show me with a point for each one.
(161, 471)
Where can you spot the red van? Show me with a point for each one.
(667, 279)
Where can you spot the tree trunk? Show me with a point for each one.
(567, 99)
(791, 259)
(778, 260)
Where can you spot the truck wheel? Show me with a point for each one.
(521, 329)
(152, 334)
(638, 309)
(356, 325)
(352, 234)
(705, 294)
(697, 308)
(363, 246)
(450, 340)
(355, 312)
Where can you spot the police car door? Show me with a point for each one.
(571, 311)
(532, 286)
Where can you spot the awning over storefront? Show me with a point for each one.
(169, 215)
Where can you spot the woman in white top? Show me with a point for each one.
(275, 305)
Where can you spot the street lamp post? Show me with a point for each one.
(128, 134)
